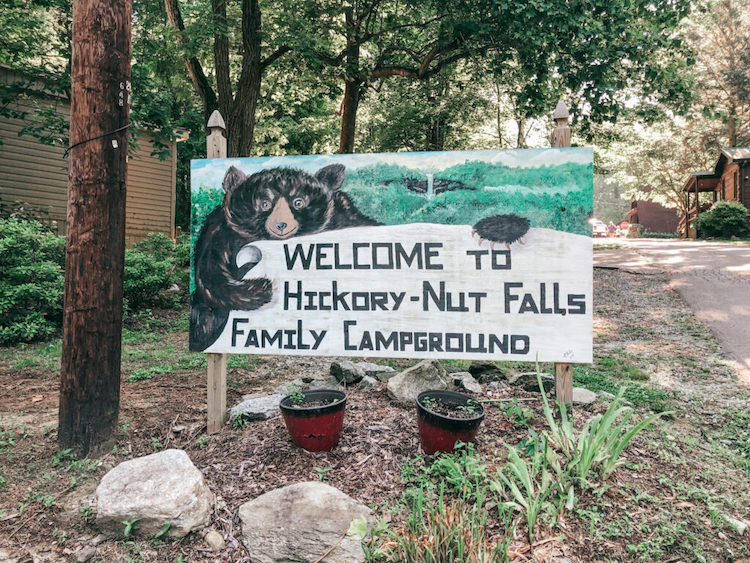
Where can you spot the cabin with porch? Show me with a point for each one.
(728, 181)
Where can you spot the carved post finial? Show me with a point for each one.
(216, 121)
(561, 133)
(216, 142)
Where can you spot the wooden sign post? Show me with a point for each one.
(216, 147)
(563, 372)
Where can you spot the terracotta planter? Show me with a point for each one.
(440, 432)
(315, 428)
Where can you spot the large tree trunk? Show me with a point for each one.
(92, 321)
(241, 123)
(352, 93)
(352, 88)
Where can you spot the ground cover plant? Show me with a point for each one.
(666, 497)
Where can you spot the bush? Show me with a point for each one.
(32, 280)
(725, 219)
(152, 267)
(32, 277)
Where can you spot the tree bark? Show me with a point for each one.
(95, 246)
(352, 85)
(352, 93)
(241, 124)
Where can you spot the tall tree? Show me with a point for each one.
(721, 37)
(596, 53)
(237, 101)
(365, 42)
(95, 246)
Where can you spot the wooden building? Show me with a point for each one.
(652, 216)
(34, 175)
(728, 181)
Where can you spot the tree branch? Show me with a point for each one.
(194, 68)
(276, 55)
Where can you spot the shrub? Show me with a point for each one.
(32, 280)
(724, 220)
(152, 266)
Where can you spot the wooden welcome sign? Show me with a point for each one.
(482, 255)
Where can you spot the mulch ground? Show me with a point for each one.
(45, 516)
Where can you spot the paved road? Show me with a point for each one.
(714, 278)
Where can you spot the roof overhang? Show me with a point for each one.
(705, 181)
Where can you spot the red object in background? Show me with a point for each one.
(439, 433)
(315, 429)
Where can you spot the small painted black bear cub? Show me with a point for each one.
(272, 204)
(277, 204)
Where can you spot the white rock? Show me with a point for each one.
(260, 408)
(425, 376)
(383, 373)
(299, 523)
(465, 380)
(738, 526)
(215, 541)
(605, 396)
(85, 553)
(367, 384)
(583, 396)
(347, 372)
(157, 489)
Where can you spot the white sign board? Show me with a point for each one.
(495, 288)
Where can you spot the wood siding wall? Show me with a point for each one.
(36, 174)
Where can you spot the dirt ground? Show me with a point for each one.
(667, 503)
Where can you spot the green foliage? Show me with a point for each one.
(736, 430)
(601, 441)
(31, 281)
(441, 529)
(152, 266)
(530, 482)
(725, 219)
(130, 527)
(598, 378)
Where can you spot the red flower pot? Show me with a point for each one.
(440, 432)
(315, 428)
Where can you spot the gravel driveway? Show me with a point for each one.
(714, 279)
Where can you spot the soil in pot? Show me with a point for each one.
(314, 418)
(447, 417)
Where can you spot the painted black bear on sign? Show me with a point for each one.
(277, 204)
(272, 204)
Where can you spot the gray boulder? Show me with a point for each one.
(583, 396)
(347, 372)
(288, 388)
(157, 489)
(485, 372)
(529, 382)
(425, 376)
(367, 384)
(299, 523)
(259, 408)
(383, 373)
(605, 397)
(329, 382)
(464, 380)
